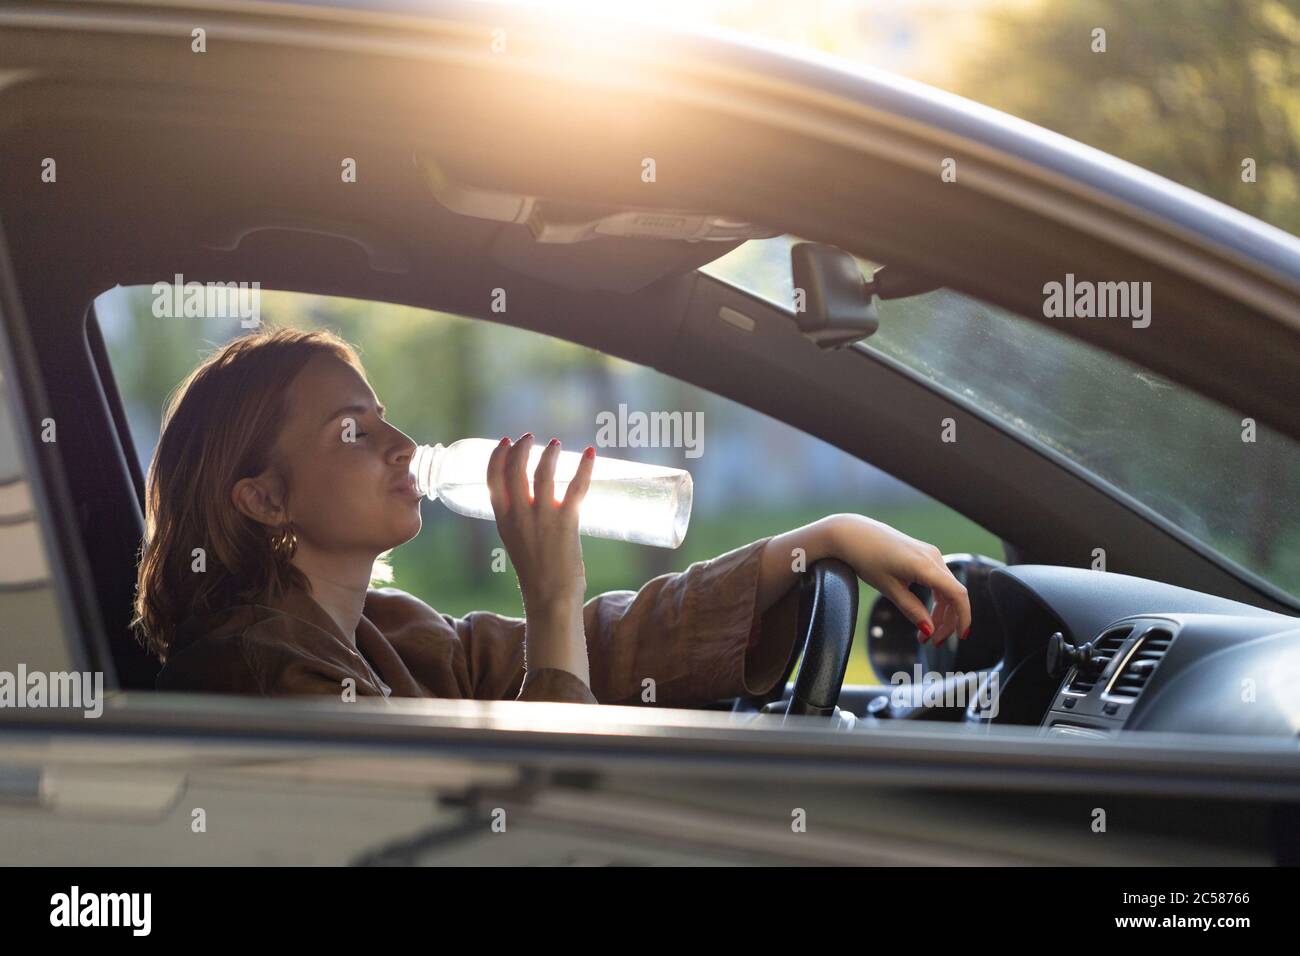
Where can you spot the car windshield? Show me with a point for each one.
(1232, 486)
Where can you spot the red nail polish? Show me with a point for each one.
(525, 435)
(555, 441)
(505, 440)
(927, 628)
(965, 634)
(590, 452)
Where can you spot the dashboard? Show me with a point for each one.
(1087, 653)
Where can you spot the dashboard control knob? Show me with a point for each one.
(1062, 655)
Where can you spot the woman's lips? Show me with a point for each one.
(406, 487)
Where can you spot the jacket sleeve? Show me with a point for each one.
(480, 655)
(692, 637)
(685, 639)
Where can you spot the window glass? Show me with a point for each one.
(1230, 484)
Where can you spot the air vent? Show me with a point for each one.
(1104, 650)
(1142, 660)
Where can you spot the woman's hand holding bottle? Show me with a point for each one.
(541, 536)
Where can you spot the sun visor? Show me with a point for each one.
(551, 221)
(589, 247)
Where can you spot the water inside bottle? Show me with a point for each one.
(626, 500)
(624, 509)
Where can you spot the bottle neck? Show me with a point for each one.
(424, 469)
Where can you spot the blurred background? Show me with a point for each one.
(1187, 88)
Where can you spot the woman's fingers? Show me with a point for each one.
(496, 480)
(541, 540)
(544, 476)
(516, 478)
(580, 482)
(911, 606)
(943, 621)
(948, 589)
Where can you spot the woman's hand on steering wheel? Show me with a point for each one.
(891, 562)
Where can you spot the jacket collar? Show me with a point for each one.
(369, 642)
(300, 604)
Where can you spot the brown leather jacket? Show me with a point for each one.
(694, 633)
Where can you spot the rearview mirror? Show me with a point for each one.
(834, 306)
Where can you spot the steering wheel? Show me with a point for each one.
(828, 616)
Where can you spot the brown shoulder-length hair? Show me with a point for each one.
(221, 424)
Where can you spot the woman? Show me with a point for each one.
(278, 483)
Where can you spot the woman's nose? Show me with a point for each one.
(403, 446)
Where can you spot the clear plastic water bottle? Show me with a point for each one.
(626, 500)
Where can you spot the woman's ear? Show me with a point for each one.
(260, 498)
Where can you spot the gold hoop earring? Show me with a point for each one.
(284, 544)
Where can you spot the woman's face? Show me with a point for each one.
(349, 489)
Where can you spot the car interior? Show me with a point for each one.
(471, 180)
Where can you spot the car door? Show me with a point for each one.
(46, 623)
(534, 783)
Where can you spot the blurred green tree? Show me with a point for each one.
(1189, 89)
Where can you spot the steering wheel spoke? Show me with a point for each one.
(828, 615)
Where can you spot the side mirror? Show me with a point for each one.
(838, 306)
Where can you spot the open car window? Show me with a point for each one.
(444, 377)
(1228, 483)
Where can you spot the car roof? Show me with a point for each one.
(1154, 197)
